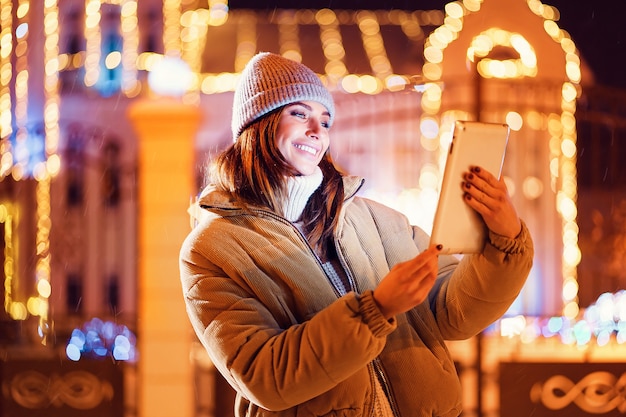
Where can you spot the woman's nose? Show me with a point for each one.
(314, 128)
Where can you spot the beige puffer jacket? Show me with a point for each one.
(277, 330)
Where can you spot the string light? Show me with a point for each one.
(336, 73)
(218, 12)
(130, 43)
(332, 45)
(194, 24)
(8, 217)
(6, 75)
(42, 268)
(130, 40)
(483, 44)
(563, 158)
(246, 40)
(20, 150)
(171, 27)
(289, 36)
(51, 79)
(93, 42)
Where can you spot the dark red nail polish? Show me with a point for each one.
(439, 247)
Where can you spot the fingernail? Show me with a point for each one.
(476, 169)
(467, 185)
(470, 176)
(467, 196)
(439, 247)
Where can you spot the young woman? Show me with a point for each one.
(313, 301)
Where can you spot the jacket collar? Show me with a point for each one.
(223, 203)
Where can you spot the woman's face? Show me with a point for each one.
(302, 135)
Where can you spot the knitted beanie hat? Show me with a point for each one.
(270, 81)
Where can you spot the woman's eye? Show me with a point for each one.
(298, 113)
(326, 125)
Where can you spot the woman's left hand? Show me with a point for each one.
(490, 198)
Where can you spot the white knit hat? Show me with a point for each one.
(270, 81)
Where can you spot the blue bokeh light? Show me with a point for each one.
(99, 339)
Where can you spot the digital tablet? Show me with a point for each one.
(456, 225)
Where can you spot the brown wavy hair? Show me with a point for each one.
(253, 170)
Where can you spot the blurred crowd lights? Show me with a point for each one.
(602, 323)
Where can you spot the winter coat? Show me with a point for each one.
(290, 345)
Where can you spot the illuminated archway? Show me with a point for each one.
(561, 127)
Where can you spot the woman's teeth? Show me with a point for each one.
(306, 148)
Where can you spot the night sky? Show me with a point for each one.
(598, 27)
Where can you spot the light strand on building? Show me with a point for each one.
(51, 110)
(563, 157)
(6, 75)
(194, 25)
(374, 47)
(329, 22)
(93, 39)
(8, 217)
(171, 28)
(40, 304)
(218, 12)
(130, 39)
(246, 40)
(289, 36)
(21, 153)
(127, 57)
(332, 45)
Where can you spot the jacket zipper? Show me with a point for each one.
(376, 364)
(382, 377)
(311, 251)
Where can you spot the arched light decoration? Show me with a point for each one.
(562, 128)
(483, 44)
(130, 44)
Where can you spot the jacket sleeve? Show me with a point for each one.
(470, 297)
(274, 365)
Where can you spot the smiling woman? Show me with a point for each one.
(312, 300)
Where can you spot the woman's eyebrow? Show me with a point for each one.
(306, 106)
(299, 103)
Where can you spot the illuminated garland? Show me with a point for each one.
(6, 74)
(130, 42)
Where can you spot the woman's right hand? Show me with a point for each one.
(408, 283)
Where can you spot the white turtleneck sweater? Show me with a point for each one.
(300, 188)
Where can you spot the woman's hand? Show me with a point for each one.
(408, 283)
(490, 198)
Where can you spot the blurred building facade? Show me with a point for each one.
(111, 110)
